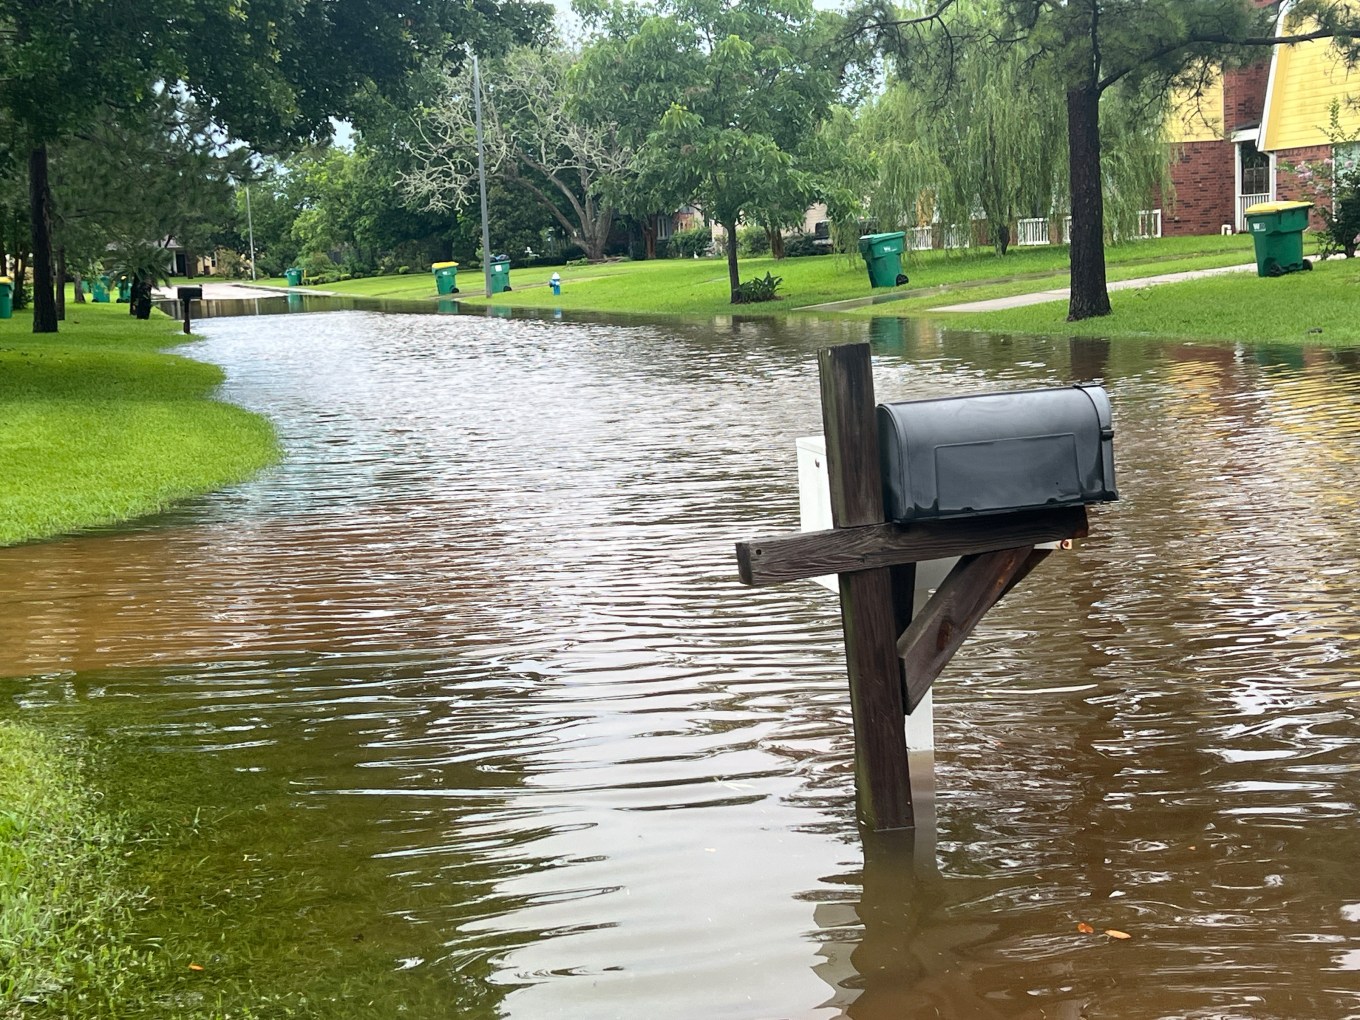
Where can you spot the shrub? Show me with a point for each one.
(231, 264)
(802, 245)
(686, 244)
(318, 268)
(1333, 186)
(752, 241)
(758, 289)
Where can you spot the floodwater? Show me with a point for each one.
(538, 754)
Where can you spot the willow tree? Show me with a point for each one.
(984, 135)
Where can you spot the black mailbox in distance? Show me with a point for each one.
(189, 293)
(995, 453)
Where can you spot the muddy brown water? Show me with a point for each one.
(484, 622)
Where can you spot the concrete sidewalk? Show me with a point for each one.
(217, 291)
(1039, 297)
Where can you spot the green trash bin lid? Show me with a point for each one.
(1265, 208)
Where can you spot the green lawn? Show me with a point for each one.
(97, 425)
(66, 909)
(700, 286)
(1312, 307)
(1315, 308)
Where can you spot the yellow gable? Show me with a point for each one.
(1304, 80)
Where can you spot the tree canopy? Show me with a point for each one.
(722, 102)
(270, 72)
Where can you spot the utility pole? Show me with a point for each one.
(250, 229)
(481, 172)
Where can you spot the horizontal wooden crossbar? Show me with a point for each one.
(763, 561)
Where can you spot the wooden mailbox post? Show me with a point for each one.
(893, 651)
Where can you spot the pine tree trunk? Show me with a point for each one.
(80, 288)
(39, 206)
(1089, 296)
(733, 274)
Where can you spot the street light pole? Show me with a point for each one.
(250, 228)
(481, 172)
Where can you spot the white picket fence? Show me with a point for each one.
(1149, 225)
(1245, 202)
(1031, 231)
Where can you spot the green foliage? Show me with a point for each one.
(758, 289)
(231, 264)
(803, 245)
(318, 267)
(752, 241)
(696, 241)
(985, 138)
(721, 100)
(1332, 184)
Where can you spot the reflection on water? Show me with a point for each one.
(485, 620)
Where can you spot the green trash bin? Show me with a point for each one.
(101, 289)
(1277, 232)
(6, 297)
(294, 277)
(124, 290)
(500, 274)
(883, 255)
(445, 277)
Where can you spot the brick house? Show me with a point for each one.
(1236, 145)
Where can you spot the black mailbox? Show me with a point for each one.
(189, 293)
(996, 452)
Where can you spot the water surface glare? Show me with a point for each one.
(484, 621)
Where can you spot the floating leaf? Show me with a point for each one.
(1115, 934)
(1085, 928)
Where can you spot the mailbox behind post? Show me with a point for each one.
(996, 452)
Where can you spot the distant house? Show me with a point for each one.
(181, 262)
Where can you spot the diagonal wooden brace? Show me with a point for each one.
(975, 584)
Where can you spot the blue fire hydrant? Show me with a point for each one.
(555, 282)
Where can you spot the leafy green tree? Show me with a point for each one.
(1087, 48)
(726, 99)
